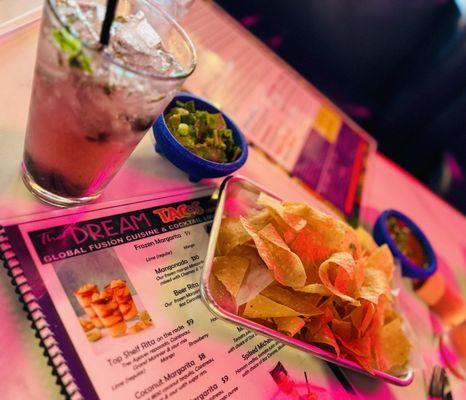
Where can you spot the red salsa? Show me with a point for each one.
(407, 241)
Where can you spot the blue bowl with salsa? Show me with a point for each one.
(194, 165)
(407, 243)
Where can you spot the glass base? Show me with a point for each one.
(52, 198)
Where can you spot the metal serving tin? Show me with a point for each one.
(237, 196)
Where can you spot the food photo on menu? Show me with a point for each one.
(212, 200)
(108, 308)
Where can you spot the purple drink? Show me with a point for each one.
(90, 106)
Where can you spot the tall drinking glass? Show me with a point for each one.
(91, 105)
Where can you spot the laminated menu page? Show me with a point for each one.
(113, 292)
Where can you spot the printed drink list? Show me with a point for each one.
(118, 288)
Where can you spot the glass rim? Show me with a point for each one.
(179, 76)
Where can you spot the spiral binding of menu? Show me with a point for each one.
(34, 312)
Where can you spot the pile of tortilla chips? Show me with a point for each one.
(308, 275)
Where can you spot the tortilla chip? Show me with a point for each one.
(271, 204)
(303, 303)
(340, 310)
(322, 237)
(374, 330)
(285, 231)
(270, 234)
(263, 307)
(341, 266)
(221, 295)
(285, 265)
(375, 284)
(366, 240)
(230, 270)
(249, 252)
(359, 347)
(343, 281)
(293, 221)
(231, 234)
(350, 243)
(315, 323)
(389, 312)
(361, 317)
(257, 277)
(382, 259)
(260, 219)
(315, 288)
(324, 336)
(395, 346)
(378, 317)
(343, 329)
(324, 234)
(310, 248)
(359, 275)
(289, 325)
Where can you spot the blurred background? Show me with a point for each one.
(397, 67)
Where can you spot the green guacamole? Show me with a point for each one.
(202, 133)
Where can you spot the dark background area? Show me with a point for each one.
(397, 67)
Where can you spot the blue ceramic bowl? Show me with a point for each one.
(410, 269)
(196, 167)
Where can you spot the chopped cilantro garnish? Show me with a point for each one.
(204, 134)
(72, 46)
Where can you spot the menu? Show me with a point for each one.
(279, 111)
(114, 295)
